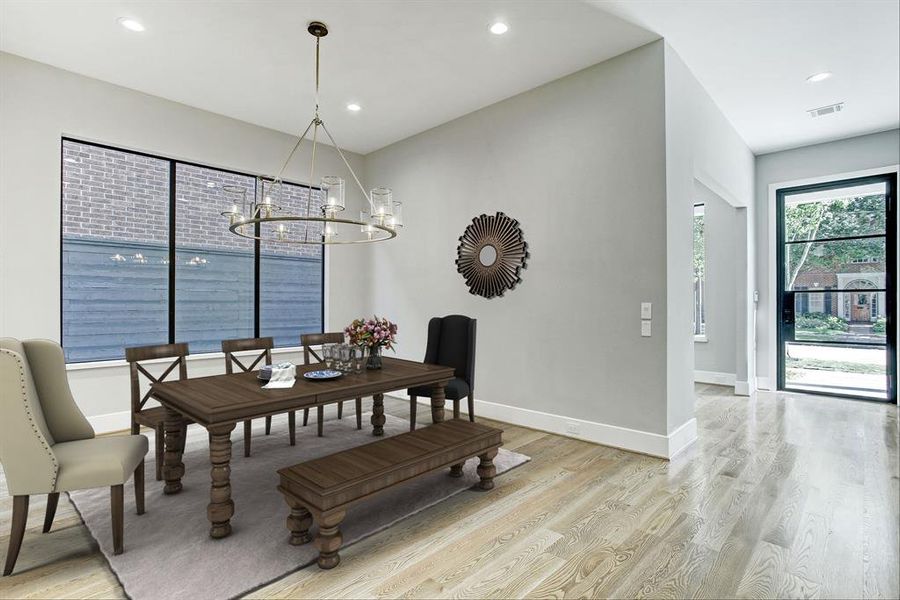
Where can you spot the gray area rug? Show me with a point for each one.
(168, 551)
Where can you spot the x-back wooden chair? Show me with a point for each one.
(317, 339)
(155, 417)
(264, 345)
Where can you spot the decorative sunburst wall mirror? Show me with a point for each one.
(491, 255)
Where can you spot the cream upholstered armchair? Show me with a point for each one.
(48, 447)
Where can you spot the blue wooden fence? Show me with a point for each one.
(115, 295)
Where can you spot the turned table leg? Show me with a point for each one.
(486, 469)
(437, 402)
(221, 506)
(456, 470)
(298, 522)
(377, 416)
(173, 468)
(330, 539)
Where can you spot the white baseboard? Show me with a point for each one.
(116, 421)
(744, 388)
(634, 440)
(764, 383)
(714, 377)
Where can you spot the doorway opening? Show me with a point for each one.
(836, 258)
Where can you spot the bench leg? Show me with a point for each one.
(305, 416)
(378, 414)
(330, 539)
(248, 427)
(413, 405)
(359, 413)
(456, 470)
(298, 522)
(487, 470)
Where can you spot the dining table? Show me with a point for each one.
(219, 402)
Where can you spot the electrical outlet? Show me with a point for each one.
(645, 328)
(573, 428)
(646, 310)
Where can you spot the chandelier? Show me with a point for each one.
(323, 219)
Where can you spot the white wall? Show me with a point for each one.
(821, 160)
(701, 146)
(717, 355)
(38, 105)
(580, 163)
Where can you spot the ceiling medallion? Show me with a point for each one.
(262, 218)
(491, 255)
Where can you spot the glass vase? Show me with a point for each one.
(374, 359)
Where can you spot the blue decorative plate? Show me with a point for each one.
(322, 375)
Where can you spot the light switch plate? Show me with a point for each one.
(646, 310)
(645, 328)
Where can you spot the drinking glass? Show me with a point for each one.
(328, 355)
(346, 355)
(359, 358)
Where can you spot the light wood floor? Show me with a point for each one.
(780, 497)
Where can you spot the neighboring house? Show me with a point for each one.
(855, 307)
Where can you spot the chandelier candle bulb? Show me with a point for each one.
(382, 203)
(333, 187)
(396, 219)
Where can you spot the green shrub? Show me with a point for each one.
(821, 322)
(880, 325)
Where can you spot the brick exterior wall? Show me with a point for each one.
(119, 196)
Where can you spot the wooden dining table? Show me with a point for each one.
(219, 402)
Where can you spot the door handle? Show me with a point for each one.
(787, 309)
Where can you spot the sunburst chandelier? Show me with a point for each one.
(323, 220)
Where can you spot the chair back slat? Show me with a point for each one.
(136, 355)
(229, 347)
(317, 339)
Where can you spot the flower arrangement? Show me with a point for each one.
(372, 333)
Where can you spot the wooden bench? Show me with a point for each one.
(324, 487)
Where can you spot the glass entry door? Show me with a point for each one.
(836, 297)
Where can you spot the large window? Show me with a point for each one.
(147, 259)
(699, 271)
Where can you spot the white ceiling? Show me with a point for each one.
(753, 58)
(411, 65)
(415, 64)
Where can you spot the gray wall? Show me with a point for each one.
(720, 225)
(40, 104)
(580, 163)
(820, 160)
(701, 145)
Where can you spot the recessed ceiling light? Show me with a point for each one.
(499, 28)
(353, 107)
(130, 24)
(817, 77)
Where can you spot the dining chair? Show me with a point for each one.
(317, 339)
(451, 343)
(264, 345)
(154, 417)
(48, 447)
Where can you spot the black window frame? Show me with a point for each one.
(173, 163)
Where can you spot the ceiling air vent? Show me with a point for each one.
(826, 110)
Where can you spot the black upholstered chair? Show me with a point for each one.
(451, 343)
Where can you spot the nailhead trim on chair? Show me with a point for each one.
(34, 427)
